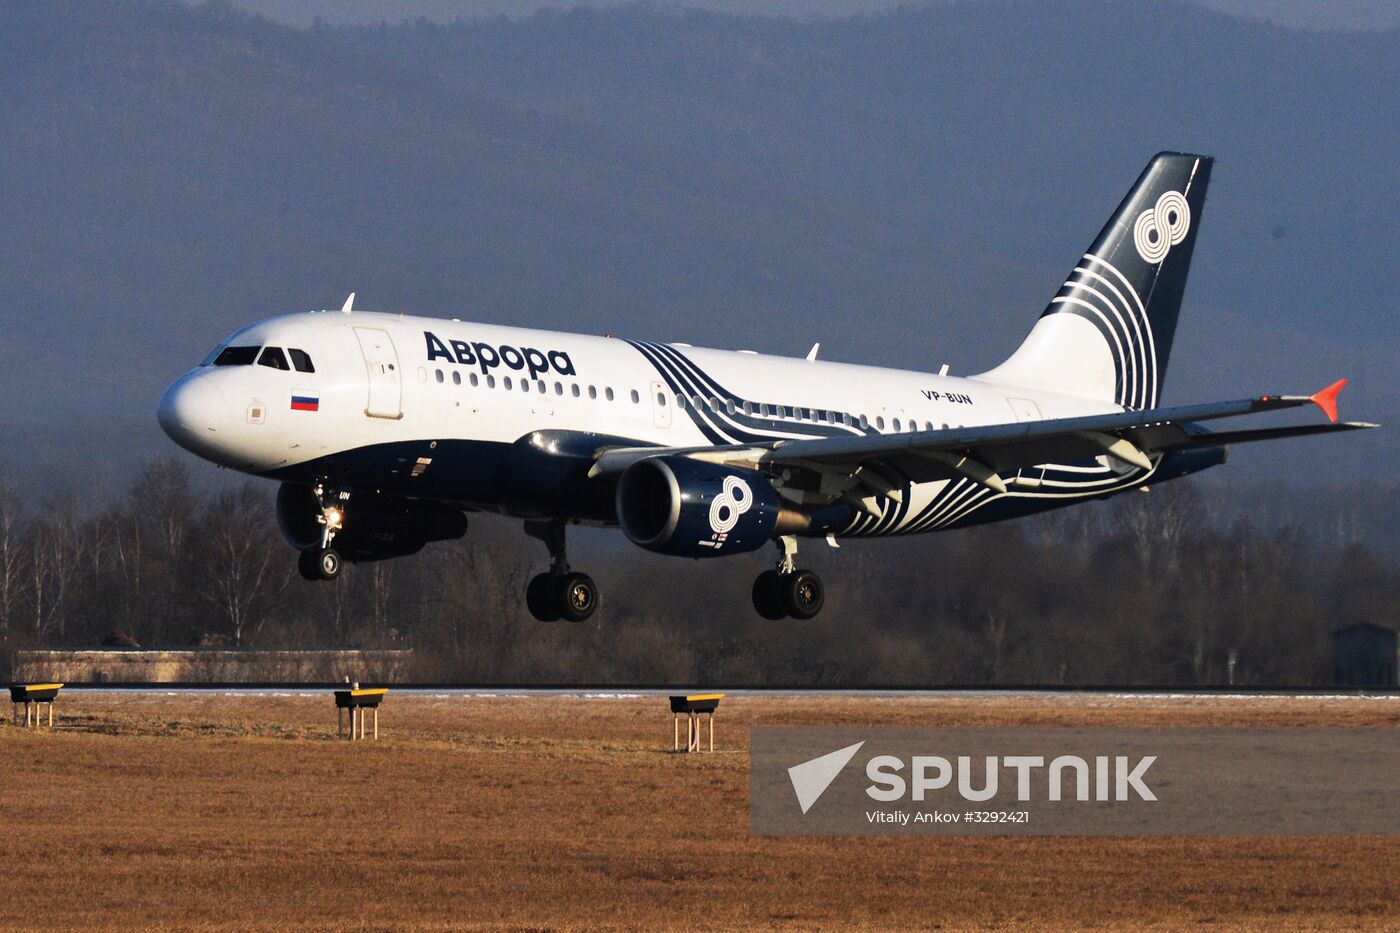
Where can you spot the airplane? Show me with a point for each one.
(386, 430)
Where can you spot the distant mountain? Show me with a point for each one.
(908, 187)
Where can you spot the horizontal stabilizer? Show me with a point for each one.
(1226, 438)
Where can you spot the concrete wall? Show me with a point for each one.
(210, 665)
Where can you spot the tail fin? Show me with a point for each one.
(1108, 332)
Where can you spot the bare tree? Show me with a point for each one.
(11, 560)
(245, 566)
(381, 578)
(55, 546)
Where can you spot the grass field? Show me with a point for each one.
(239, 812)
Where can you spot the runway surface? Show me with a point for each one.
(238, 808)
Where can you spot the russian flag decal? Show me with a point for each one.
(306, 400)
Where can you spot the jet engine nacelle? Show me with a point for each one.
(375, 527)
(689, 508)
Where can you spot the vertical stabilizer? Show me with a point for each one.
(1108, 332)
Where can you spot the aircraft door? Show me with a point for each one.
(660, 405)
(382, 365)
(1025, 409)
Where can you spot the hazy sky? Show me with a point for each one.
(1323, 14)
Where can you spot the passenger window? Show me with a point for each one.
(456, 378)
(273, 358)
(524, 385)
(558, 388)
(608, 393)
(573, 388)
(301, 360)
(896, 424)
(714, 404)
(507, 384)
(236, 356)
(763, 409)
(680, 402)
(636, 399)
(864, 423)
(747, 408)
(475, 382)
(539, 384)
(729, 406)
(593, 392)
(846, 418)
(490, 382)
(438, 375)
(661, 399)
(880, 422)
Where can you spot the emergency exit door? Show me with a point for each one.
(660, 406)
(382, 365)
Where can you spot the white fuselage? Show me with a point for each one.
(380, 379)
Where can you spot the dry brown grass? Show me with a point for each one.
(214, 813)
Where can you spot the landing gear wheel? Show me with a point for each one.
(542, 598)
(327, 563)
(578, 596)
(306, 565)
(767, 595)
(803, 594)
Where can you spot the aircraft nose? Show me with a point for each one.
(188, 410)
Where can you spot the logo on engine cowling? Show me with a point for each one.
(734, 500)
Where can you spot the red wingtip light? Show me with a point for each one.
(1327, 399)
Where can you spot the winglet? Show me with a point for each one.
(351, 301)
(1327, 399)
(812, 353)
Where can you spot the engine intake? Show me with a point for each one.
(689, 508)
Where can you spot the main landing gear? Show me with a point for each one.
(558, 593)
(786, 590)
(324, 562)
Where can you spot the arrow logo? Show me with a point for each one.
(811, 778)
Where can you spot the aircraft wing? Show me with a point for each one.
(982, 452)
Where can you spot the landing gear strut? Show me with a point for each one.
(558, 593)
(786, 590)
(324, 562)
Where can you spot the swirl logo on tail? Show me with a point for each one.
(1165, 225)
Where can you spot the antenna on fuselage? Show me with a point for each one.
(812, 353)
(348, 303)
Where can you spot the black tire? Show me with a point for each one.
(578, 596)
(767, 596)
(306, 565)
(328, 563)
(803, 594)
(542, 597)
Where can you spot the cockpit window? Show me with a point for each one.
(273, 358)
(301, 360)
(236, 356)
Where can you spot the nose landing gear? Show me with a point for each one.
(319, 563)
(324, 562)
(786, 590)
(559, 593)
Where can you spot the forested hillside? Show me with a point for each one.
(1144, 589)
